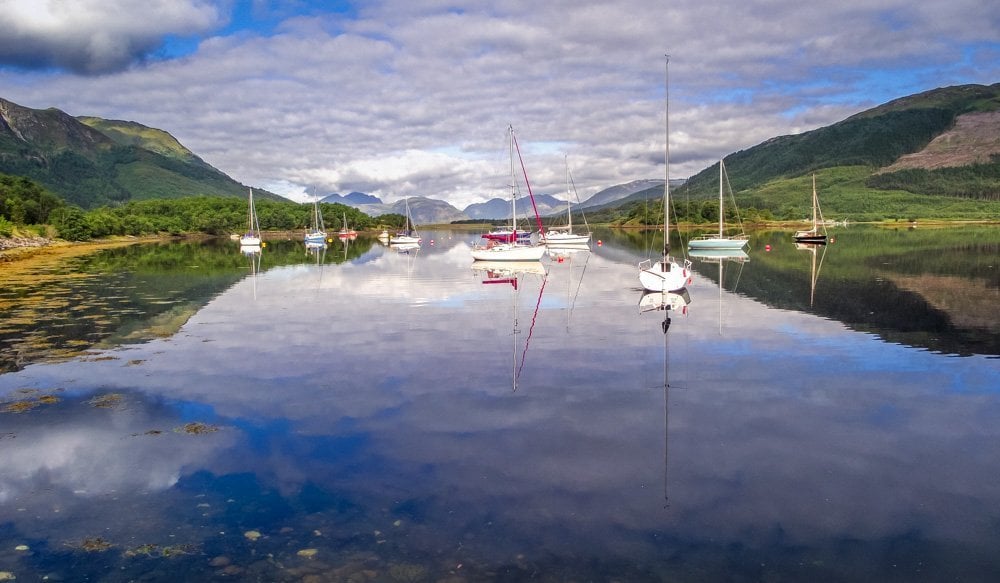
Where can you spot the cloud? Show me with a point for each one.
(409, 98)
(95, 36)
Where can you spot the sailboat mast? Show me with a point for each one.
(406, 203)
(569, 210)
(666, 177)
(721, 170)
(513, 187)
(815, 204)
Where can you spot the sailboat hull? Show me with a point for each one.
(810, 237)
(509, 252)
(563, 239)
(718, 243)
(664, 276)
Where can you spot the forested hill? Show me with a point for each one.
(93, 162)
(954, 132)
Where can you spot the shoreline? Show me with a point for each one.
(16, 249)
(35, 247)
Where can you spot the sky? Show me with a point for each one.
(400, 98)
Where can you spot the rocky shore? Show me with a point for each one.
(21, 242)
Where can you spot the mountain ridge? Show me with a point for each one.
(92, 162)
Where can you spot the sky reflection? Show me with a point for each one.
(389, 383)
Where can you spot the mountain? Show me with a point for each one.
(423, 210)
(92, 162)
(352, 199)
(428, 211)
(619, 192)
(914, 144)
(498, 208)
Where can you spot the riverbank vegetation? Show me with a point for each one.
(27, 210)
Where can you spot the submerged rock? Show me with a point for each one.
(252, 535)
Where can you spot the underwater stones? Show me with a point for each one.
(252, 535)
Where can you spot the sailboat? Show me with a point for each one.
(345, 233)
(563, 236)
(513, 249)
(408, 236)
(250, 241)
(720, 241)
(666, 275)
(316, 233)
(813, 235)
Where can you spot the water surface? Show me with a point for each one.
(184, 412)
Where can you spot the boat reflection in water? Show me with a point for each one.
(719, 257)
(253, 255)
(513, 273)
(666, 302)
(675, 301)
(813, 248)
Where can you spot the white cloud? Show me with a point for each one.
(410, 98)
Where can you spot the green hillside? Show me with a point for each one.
(848, 157)
(92, 162)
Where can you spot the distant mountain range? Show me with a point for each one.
(426, 210)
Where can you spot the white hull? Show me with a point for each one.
(249, 241)
(315, 237)
(734, 243)
(509, 252)
(561, 239)
(655, 278)
(404, 240)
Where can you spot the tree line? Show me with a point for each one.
(24, 203)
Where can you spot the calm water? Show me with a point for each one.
(180, 412)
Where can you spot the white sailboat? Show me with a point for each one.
(720, 241)
(408, 236)
(251, 239)
(666, 275)
(316, 232)
(563, 236)
(513, 249)
(814, 235)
